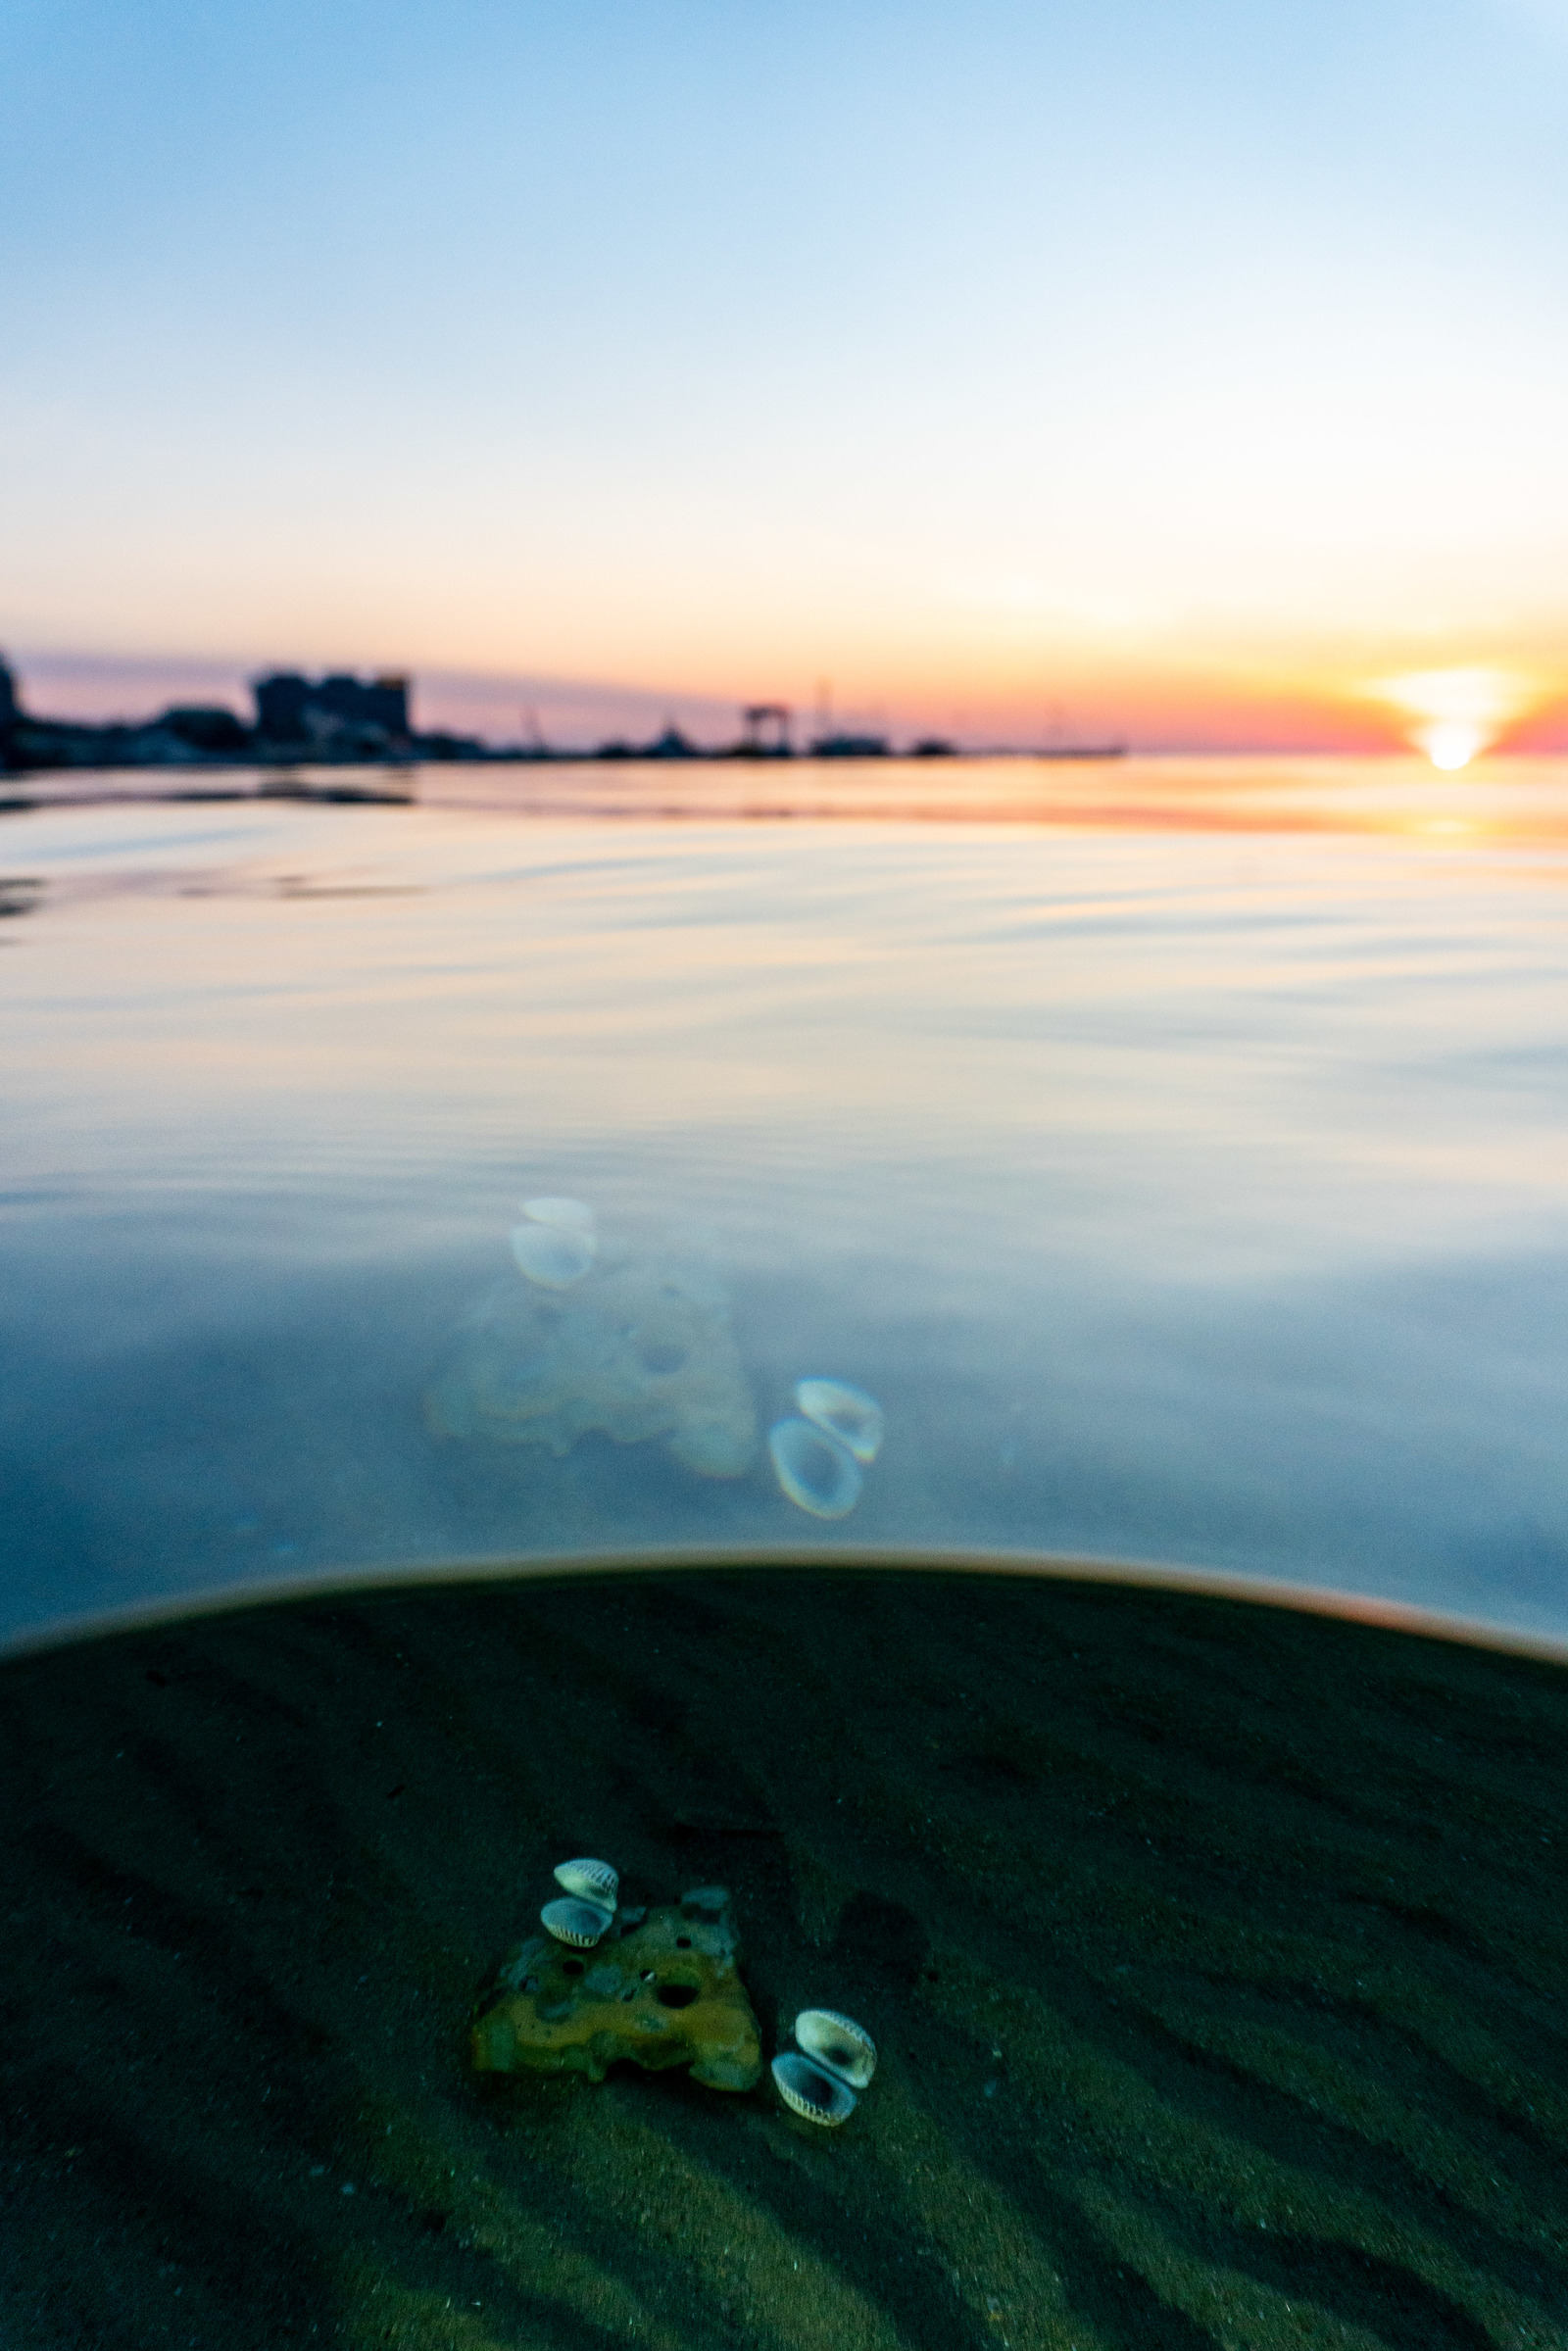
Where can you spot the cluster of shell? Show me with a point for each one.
(821, 1459)
(590, 1891)
(833, 2059)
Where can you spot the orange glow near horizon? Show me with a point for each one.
(1460, 711)
(1183, 693)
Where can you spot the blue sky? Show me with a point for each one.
(1190, 365)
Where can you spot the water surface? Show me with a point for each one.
(1175, 1149)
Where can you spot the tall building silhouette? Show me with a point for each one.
(291, 708)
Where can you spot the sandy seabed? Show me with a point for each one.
(1215, 1954)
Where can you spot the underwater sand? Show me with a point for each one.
(1215, 1954)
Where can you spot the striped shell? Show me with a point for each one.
(590, 1881)
(811, 2092)
(836, 2044)
(580, 1924)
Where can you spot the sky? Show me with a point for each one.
(1194, 376)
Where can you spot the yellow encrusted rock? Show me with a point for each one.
(663, 1988)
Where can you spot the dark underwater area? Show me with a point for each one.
(1214, 1953)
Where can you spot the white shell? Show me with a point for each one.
(551, 1256)
(567, 1215)
(592, 1882)
(810, 2091)
(836, 2044)
(815, 1471)
(845, 1412)
(580, 1923)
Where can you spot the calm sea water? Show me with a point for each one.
(1177, 1150)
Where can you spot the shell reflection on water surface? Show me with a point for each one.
(551, 1256)
(566, 1216)
(845, 1412)
(816, 1472)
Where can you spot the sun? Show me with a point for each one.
(1460, 712)
(1451, 741)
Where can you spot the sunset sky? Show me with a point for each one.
(1194, 374)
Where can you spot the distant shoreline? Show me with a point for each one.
(290, 760)
(343, 720)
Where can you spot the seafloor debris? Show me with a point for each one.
(592, 1889)
(634, 1349)
(580, 1924)
(663, 1988)
(837, 2059)
(596, 1882)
